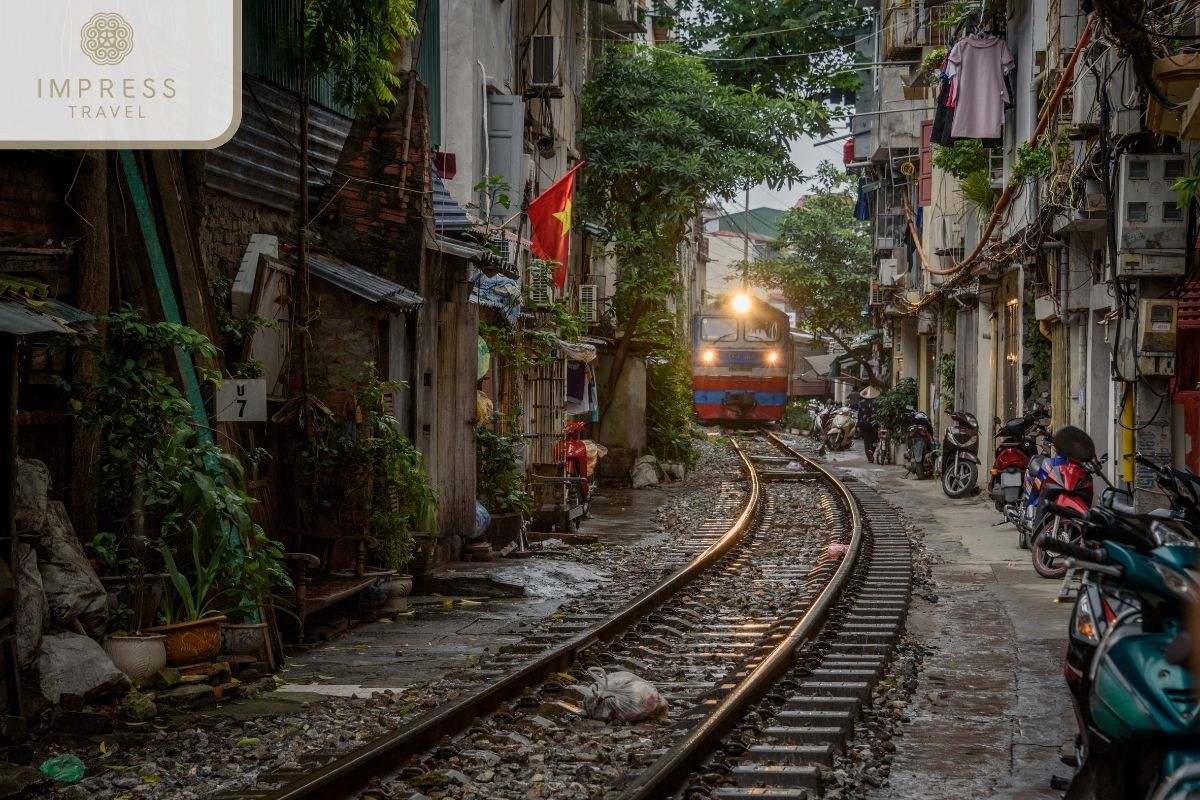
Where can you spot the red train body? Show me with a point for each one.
(740, 362)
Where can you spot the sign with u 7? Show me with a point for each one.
(242, 400)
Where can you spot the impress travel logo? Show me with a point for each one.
(120, 73)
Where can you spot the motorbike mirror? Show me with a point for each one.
(1074, 444)
(996, 420)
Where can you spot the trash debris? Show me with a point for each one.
(32, 495)
(644, 473)
(73, 590)
(68, 663)
(32, 608)
(837, 550)
(65, 768)
(621, 697)
(675, 471)
(483, 520)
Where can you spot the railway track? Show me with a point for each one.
(786, 614)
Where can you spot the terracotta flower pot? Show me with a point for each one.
(243, 639)
(191, 642)
(139, 657)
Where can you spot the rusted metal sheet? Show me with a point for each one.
(262, 161)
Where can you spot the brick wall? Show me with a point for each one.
(225, 226)
(346, 330)
(369, 220)
(32, 188)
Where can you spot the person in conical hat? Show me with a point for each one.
(866, 420)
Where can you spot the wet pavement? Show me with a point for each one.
(992, 710)
(440, 634)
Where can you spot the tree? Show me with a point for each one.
(824, 267)
(784, 47)
(353, 42)
(661, 136)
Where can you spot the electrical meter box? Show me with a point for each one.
(1150, 226)
(1156, 336)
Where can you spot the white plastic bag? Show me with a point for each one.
(621, 697)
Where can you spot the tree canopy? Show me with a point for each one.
(824, 264)
(353, 41)
(661, 135)
(782, 47)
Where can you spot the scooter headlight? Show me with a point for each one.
(1085, 621)
(1166, 536)
(1179, 583)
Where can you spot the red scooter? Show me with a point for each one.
(574, 453)
(1061, 483)
(1016, 443)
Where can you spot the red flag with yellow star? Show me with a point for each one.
(550, 217)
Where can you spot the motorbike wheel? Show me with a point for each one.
(833, 440)
(959, 477)
(917, 459)
(1052, 565)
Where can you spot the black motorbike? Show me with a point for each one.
(960, 455)
(918, 440)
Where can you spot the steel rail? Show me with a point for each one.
(671, 770)
(348, 773)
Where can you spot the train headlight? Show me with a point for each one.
(709, 356)
(772, 357)
(741, 303)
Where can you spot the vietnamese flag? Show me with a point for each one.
(550, 217)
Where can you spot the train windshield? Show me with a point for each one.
(718, 329)
(766, 330)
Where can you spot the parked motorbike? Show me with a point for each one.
(1126, 665)
(883, 446)
(821, 412)
(840, 432)
(1061, 482)
(1016, 443)
(960, 455)
(918, 441)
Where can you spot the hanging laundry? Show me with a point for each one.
(977, 66)
(862, 207)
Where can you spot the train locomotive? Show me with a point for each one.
(741, 361)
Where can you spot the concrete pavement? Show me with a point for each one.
(992, 710)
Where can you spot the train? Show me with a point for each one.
(741, 361)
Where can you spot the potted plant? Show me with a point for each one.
(253, 575)
(501, 484)
(190, 611)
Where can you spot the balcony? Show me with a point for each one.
(909, 26)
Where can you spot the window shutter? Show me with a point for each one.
(925, 184)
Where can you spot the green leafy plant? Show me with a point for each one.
(797, 415)
(933, 61)
(1188, 187)
(236, 331)
(965, 157)
(977, 190)
(893, 402)
(500, 481)
(824, 266)
(354, 42)
(195, 592)
(669, 408)
(1032, 162)
(375, 468)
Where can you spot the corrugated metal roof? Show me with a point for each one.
(448, 215)
(362, 283)
(48, 316)
(260, 164)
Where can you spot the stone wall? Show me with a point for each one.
(346, 332)
(226, 224)
(32, 189)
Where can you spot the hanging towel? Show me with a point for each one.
(862, 208)
(977, 66)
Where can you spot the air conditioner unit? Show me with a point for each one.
(875, 297)
(589, 302)
(543, 62)
(541, 287)
(885, 243)
(889, 272)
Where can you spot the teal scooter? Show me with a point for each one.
(1141, 724)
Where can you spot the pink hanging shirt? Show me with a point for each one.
(976, 67)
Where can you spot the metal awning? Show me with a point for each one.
(463, 250)
(822, 364)
(45, 316)
(448, 215)
(364, 284)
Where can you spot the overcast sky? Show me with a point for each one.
(807, 156)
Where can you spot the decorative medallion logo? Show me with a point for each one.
(107, 39)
